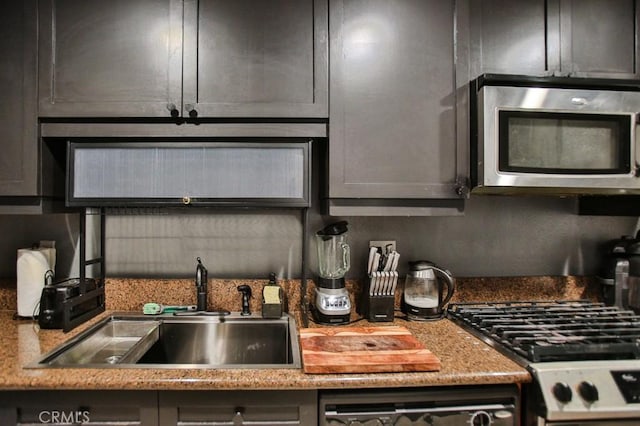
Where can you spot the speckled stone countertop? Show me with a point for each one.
(465, 360)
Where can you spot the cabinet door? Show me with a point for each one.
(509, 37)
(114, 58)
(18, 119)
(248, 58)
(131, 408)
(597, 37)
(393, 99)
(272, 408)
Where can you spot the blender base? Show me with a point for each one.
(332, 306)
(329, 319)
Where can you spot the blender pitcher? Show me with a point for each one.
(333, 251)
(332, 302)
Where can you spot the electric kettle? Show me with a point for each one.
(427, 290)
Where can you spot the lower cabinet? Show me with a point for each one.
(217, 408)
(164, 408)
(103, 408)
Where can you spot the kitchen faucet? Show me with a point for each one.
(246, 295)
(201, 286)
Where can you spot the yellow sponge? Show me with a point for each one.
(271, 294)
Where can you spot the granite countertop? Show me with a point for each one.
(24, 343)
(465, 360)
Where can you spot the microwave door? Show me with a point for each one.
(564, 143)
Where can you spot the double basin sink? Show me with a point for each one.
(173, 341)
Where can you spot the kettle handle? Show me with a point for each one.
(449, 280)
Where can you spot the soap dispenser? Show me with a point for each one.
(272, 299)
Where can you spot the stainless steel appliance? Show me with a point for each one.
(554, 135)
(332, 302)
(443, 406)
(620, 273)
(584, 357)
(427, 290)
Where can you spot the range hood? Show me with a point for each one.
(177, 173)
(208, 164)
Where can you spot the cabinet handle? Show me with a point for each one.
(462, 187)
(191, 109)
(173, 110)
(238, 419)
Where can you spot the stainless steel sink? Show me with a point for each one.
(168, 341)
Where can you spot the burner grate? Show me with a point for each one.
(541, 331)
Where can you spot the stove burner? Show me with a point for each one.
(542, 331)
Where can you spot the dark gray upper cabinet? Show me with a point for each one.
(393, 105)
(191, 58)
(597, 37)
(116, 58)
(580, 38)
(248, 58)
(18, 119)
(508, 36)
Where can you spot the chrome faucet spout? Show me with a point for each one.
(201, 286)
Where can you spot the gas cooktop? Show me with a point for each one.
(543, 331)
(583, 355)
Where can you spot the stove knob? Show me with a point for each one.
(481, 418)
(562, 392)
(588, 391)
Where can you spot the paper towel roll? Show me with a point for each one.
(31, 266)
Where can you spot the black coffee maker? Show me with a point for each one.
(619, 275)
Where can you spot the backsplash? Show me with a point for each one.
(497, 236)
(131, 294)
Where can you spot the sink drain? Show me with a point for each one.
(113, 359)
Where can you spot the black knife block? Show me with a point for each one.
(376, 308)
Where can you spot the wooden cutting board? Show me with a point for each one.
(364, 350)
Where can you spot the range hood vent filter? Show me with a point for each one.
(188, 174)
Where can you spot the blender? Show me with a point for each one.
(332, 303)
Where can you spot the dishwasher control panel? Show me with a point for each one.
(452, 406)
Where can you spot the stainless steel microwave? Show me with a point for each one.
(554, 135)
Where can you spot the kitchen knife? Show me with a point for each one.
(394, 284)
(396, 258)
(371, 262)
